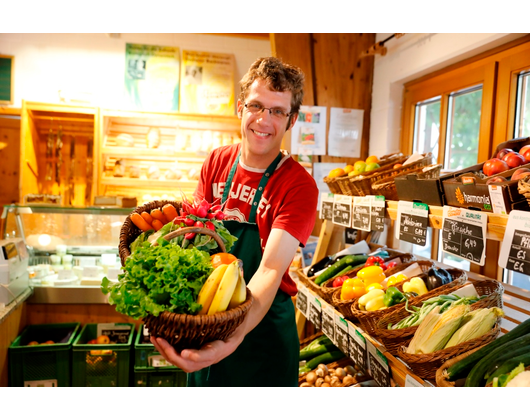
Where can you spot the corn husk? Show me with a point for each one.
(434, 337)
(476, 324)
(424, 329)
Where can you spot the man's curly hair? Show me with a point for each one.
(280, 76)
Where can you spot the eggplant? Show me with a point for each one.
(436, 277)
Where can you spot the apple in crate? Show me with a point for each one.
(514, 159)
(494, 166)
(503, 152)
(496, 180)
(520, 173)
(525, 151)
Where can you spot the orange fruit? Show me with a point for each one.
(103, 339)
(348, 169)
(372, 159)
(334, 173)
(222, 258)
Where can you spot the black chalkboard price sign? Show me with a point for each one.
(341, 333)
(463, 234)
(326, 206)
(378, 366)
(378, 213)
(301, 300)
(357, 346)
(413, 221)
(362, 213)
(342, 210)
(515, 249)
(328, 321)
(315, 311)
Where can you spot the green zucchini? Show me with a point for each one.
(317, 351)
(333, 270)
(505, 356)
(509, 365)
(325, 358)
(463, 367)
(476, 375)
(323, 339)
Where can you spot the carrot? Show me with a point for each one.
(157, 224)
(147, 217)
(140, 222)
(170, 212)
(157, 214)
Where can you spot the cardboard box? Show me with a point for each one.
(470, 189)
(429, 191)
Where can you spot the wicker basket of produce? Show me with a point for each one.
(394, 338)
(387, 186)
(362, 185)
(333, 185)
(426, 364)
(346, 183)
(523, 187)
(342, 373)
(308, 282)
(174, 304)
(441, 381)
(424, 266)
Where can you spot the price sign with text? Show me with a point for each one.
(515, 250)
(464, 233)
(413, 219)
(326, 206)
(341, 333)
(315, 310)
(328, 321)
(378, 213)
(357, 346)
(362, 207)
(342, 209)
(302, 300)
(378, 365)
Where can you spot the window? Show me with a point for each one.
(522, 113)
(427, 126)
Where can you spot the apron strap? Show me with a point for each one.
(259, 192)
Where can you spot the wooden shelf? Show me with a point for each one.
(158, 154)
(496, 222)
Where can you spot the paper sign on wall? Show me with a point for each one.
(309, 131)
(345, 132)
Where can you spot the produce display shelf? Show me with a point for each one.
(496, 222)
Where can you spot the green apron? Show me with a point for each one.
(269, 354)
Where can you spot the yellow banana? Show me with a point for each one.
(240, 293)
(209, 288)
(226, 289)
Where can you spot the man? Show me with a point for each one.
(270, 203)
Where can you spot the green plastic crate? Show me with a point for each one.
(91, 368)
(43, 365)
(159, 377)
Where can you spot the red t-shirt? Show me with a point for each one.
(289, 199)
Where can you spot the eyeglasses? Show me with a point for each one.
(278, 113)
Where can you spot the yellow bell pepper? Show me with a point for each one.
(372, 294)
(393, 280)
(374, 286)
(416, 285)
(375, 303)
(371, 274)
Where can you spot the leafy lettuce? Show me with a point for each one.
(159, 278)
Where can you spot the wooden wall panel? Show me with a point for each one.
(10, 328)
(9, 161)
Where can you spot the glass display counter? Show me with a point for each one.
(70, 249)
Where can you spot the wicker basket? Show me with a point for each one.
(425, 265)
(369, 320)
(185, 331)
(333, 185)
(394, 339)
(426, 365)
(387, 186)
(441, 379)
(386, 163)
(362, 185)
(523, 187)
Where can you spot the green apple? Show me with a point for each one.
(359, 166)
(372, 166)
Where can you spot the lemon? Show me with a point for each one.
(348, 169)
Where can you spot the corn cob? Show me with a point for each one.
(477, 323)
(424, 329)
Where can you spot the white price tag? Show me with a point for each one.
(90, 272)
(411, 382)
(65, 274)
(497, 199)
(515, 250)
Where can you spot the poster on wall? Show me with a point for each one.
(309, 131)
(152, 77)
(345, 132)
(321, 170)
(207, 81)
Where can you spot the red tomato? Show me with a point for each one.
(391, 264)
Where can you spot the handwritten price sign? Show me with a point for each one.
(515, 250)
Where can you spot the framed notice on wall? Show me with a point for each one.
(152, 77)
(207, 81)
(6, 79)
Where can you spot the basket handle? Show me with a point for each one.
(196, 229)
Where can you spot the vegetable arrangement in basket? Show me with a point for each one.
(173, 272)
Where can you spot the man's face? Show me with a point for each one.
(261, 132)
